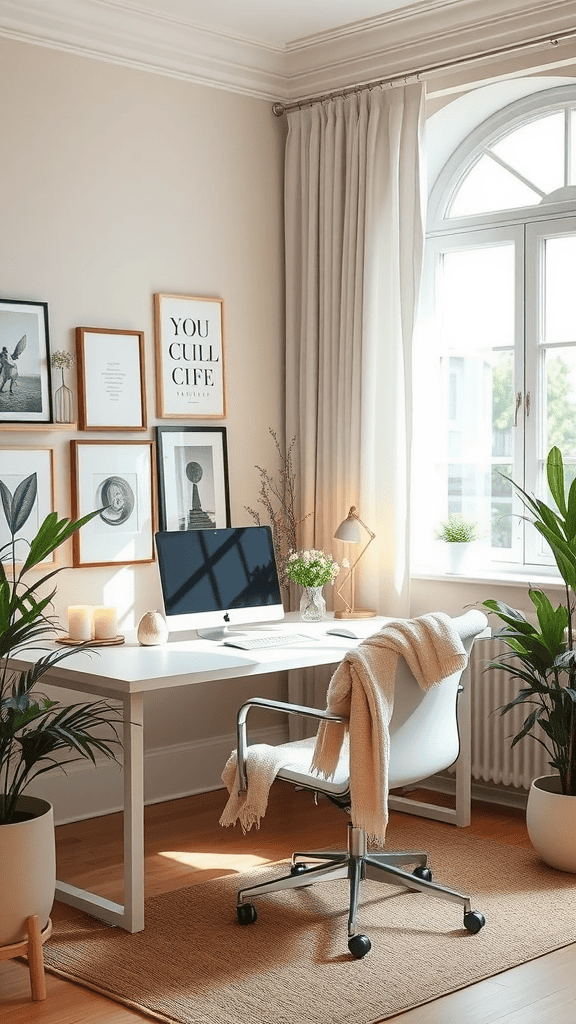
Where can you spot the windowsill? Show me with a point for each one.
(504, 579)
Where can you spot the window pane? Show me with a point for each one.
(489, 187)
(476, 298)
(559, 296)
(561, 399)
(537, 151)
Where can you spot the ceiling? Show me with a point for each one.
(287, 49)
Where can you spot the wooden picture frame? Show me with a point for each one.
(111, 379)
(16, 465)
(189, 336)
(193, 489)
(117, 477)
(25, 387)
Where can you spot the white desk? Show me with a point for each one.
(127, 672)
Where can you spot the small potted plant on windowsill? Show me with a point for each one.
(542, 657)
(458, 533)
(32, 727)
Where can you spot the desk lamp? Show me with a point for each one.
(349, 532)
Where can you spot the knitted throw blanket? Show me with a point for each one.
(362, 689)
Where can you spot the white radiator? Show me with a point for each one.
(493, 760)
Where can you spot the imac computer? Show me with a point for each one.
(218, 578)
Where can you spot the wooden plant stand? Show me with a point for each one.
(32, 948)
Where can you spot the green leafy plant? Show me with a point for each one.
(311, 568)
(457, 530)
(542, 655)
(32, 727)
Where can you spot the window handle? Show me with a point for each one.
(527, 403)
(518, 404)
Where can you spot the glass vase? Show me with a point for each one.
(312, 604)
(63, 404)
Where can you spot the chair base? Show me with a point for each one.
(355, 864)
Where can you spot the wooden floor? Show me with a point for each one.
(185, 845)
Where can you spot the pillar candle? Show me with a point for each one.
(80, 619)
(105, 623)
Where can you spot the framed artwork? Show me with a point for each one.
(25, 391)
(189, 357)
(192, 478)
(111, 380)
(27, 496)
(115, 476)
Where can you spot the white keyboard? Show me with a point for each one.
(249, 643)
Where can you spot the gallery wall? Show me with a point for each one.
(118, 184)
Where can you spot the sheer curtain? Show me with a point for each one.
(354, 238)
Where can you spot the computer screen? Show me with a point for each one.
(215, 578)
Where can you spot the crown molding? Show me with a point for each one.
(426, 33)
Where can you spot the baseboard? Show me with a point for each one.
(169, 773)
(491, 793)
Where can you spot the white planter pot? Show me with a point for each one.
(551, 822)
(28, 869)
(456, 554)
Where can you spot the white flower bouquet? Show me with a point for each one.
(311, 568)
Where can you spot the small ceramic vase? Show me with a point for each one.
(152, 629)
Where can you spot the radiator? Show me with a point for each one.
(493, 760)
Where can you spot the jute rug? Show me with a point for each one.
(193, 964)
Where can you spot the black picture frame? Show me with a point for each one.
(193, 488)
(25, 383)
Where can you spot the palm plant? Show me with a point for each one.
(32, 727)
(542, 655)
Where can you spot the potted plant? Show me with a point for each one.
(543, 659)
(32, 727)
(458, 532)
(311, 570)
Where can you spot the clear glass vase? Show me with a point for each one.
(312, 604)
(63, 404)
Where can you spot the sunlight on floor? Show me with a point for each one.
(206, 861)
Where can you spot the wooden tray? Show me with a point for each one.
(93, 643)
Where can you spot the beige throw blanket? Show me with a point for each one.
(362, 689)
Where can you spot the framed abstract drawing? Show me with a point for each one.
(189, 357)
(117, 478)
(27, 493)
(25, 391)
(192, 478)
(111, 379)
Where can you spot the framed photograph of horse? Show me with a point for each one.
(25, 391)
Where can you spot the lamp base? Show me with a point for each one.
(356, 613)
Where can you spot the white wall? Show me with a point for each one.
(116, 184)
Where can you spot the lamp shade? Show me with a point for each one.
(349, 531)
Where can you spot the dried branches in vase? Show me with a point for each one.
(278, 499)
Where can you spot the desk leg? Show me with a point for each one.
(134, 812)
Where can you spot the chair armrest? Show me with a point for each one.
(271, 705)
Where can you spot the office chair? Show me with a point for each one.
(423, 740)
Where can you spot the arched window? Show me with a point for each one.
(495, 357)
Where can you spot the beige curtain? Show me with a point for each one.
(354, 236)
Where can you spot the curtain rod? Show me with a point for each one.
(280, 108)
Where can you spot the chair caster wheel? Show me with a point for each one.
(424, 873)
(298, 869)
(246, 913)
(474, 921)
(359, 945)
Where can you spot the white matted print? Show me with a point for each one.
(111, 379)
(193, 478)
(25, 392)
(189, 357)
(27, 492)
(115, 476)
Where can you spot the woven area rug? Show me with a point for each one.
(193, 964)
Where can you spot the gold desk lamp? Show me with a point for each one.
(349, 532)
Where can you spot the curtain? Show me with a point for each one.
(354, 236)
